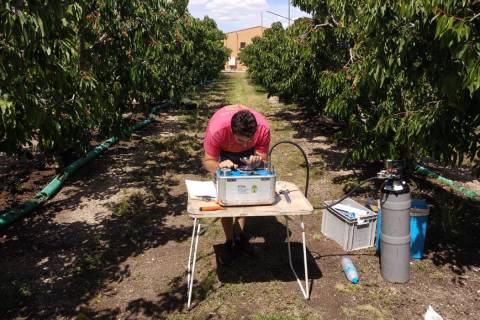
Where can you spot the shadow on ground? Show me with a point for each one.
(50, 268)
(452, 238)
(452, 234)
(271, 262)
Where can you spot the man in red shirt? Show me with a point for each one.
(235, 132)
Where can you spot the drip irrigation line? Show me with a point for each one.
(11, 215)
(455, 185)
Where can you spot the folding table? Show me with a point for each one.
(289, 201)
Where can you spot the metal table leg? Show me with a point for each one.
(305, 291)
(192, 258)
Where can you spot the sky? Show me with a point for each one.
(233, 15)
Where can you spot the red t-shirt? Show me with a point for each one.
(219, 135)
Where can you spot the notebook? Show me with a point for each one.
(201, 190)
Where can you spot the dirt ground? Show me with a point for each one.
(114, 242)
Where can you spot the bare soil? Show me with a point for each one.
(114, 242)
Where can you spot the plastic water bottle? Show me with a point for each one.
(350, 270)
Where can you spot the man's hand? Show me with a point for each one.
(227, 164)
(253, 162)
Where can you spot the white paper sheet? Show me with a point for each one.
(359, 214)
(201, 190)
(343, 207)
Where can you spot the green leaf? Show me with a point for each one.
(40, 26)
(5, 105)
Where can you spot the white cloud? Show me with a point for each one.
(231, 12)
(197, 2)
(238, 14)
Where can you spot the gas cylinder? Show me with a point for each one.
(395, 228)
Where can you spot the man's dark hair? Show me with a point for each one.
(244, 123)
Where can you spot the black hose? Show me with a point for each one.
(307, 166)
(347, 194)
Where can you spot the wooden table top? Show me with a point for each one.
(298, 205)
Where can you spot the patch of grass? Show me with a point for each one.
(235, 289)
(382, 296)
(316, 172)
(289, 164)
(179, 146)
(371, 284)
(214, 231)
(421, 266)
(177, 317)
(273, 288)
(15, 293)
(201, 254)
(133, 204)
(276, 317)
(84, 314)
(426, 266)
(123, 208)
(348, 288)
(88, 264)
(437, 275)
(24, 290)
(317, 237)
(364, 311)
(206, 286)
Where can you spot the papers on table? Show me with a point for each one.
(201, 190)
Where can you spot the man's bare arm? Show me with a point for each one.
(211, 163)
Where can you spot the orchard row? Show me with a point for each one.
(402, 77)
(73, 69)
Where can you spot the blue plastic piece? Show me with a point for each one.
(240, 173)
(418, 229)
(419, 204)
(350, 270)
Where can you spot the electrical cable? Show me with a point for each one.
(307, 166)
(347, 194)
(307, 180)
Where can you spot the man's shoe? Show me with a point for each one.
(228, 253)
(244, 246)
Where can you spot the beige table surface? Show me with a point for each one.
(299, 206)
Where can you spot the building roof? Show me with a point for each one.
(245, 29)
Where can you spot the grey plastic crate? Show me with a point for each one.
(346, 231)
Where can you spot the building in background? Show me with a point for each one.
(236, 41)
